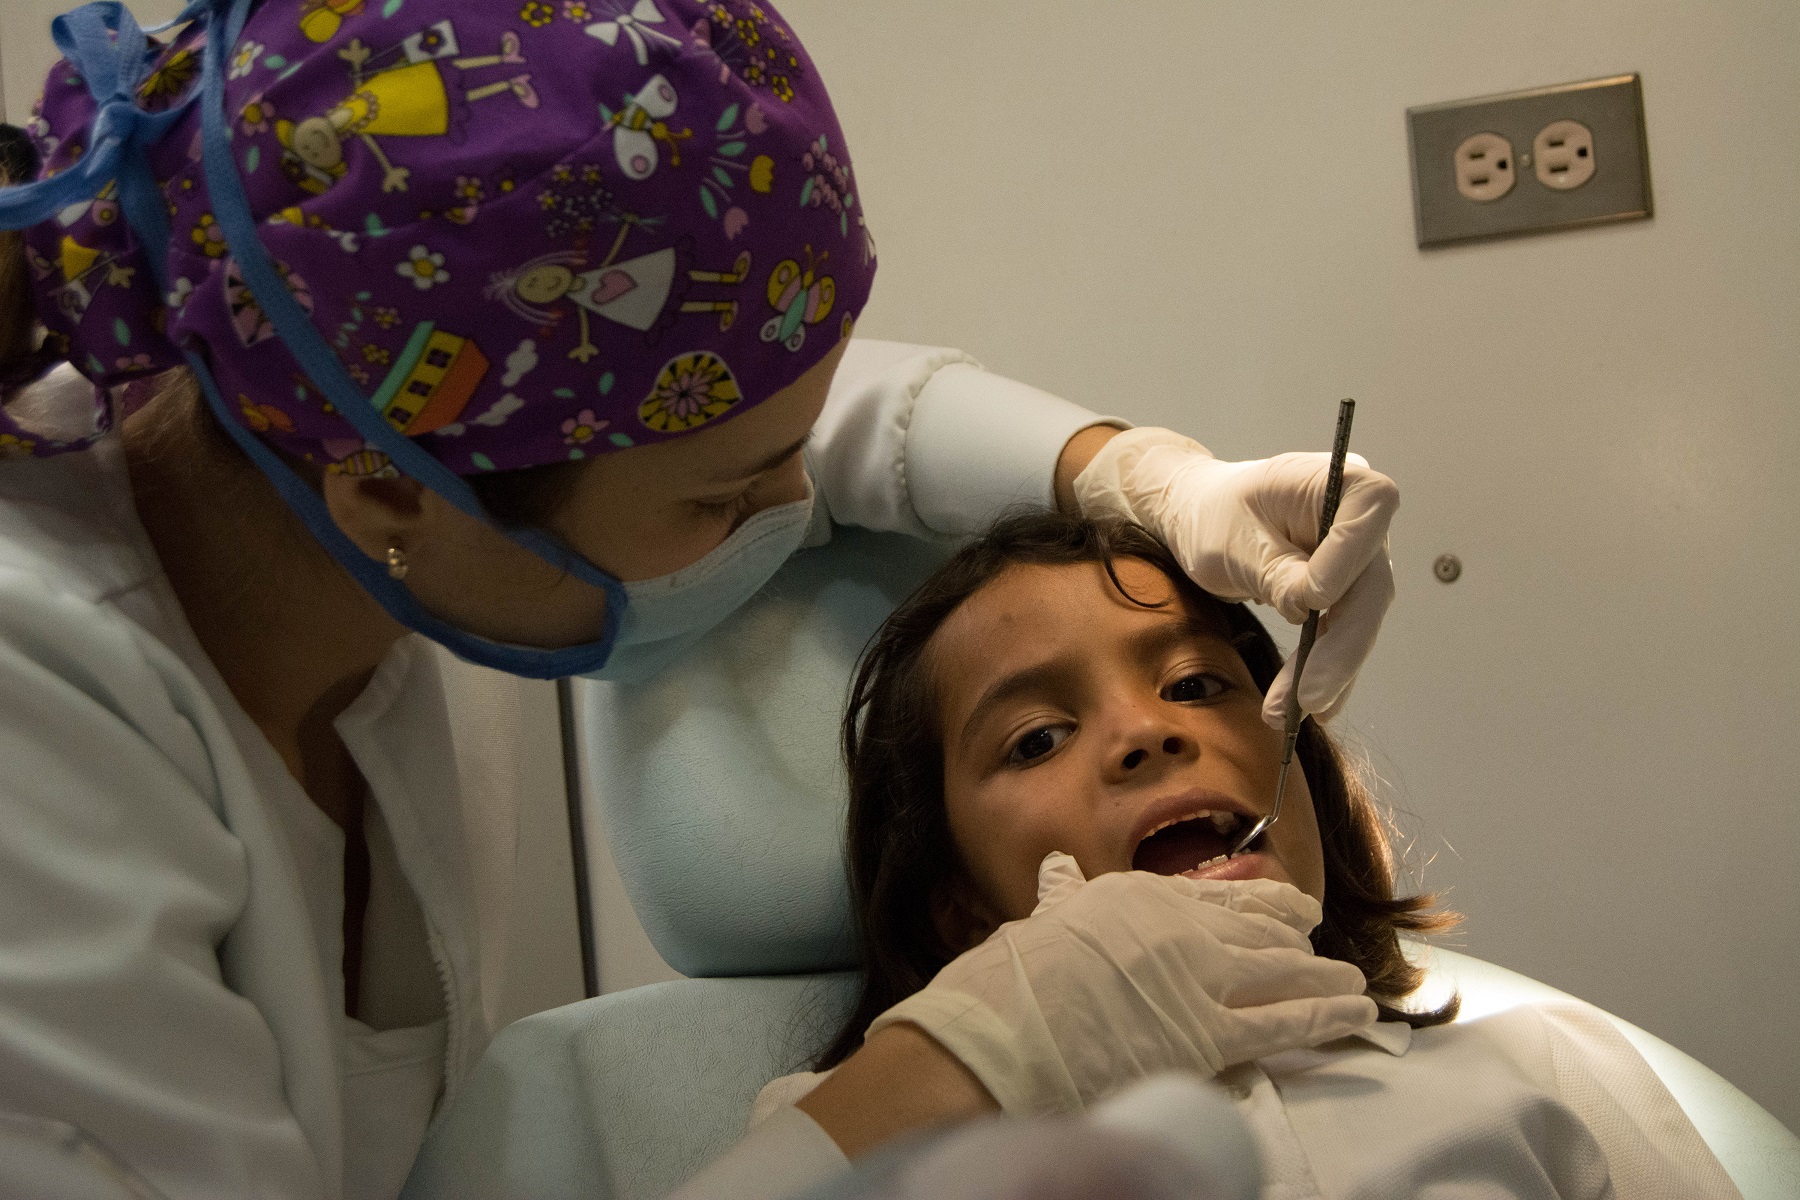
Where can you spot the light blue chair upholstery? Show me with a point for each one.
(721, 790)
(720, 782)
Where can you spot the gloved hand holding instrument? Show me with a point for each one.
(1291, 716)
(1251, 531)
(1133, 973)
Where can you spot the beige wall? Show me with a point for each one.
(1199, 214)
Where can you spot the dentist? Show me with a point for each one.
(523, 328)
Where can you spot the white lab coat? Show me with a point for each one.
(171, 991)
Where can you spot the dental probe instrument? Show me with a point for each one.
(1334, 490)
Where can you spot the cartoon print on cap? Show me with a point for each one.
(78, 263)
(634, 23)
(829, 184)
(431, 380)
(380, 153)
(690, 391)
(581, 428)
(247, 318)
(756, 49)
(263, 417)
(639, 126)
(575, 201)
(729, 169)
(799, 297)
(103, 209)
(404, 96)
(639, 293)
(169, 80)
(320, 20)
(366, 462)
(294, 215)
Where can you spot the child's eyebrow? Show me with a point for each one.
(1146, 645)
(1180, 629)
(1018, 683)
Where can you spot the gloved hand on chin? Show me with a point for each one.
(1111, 980)
(1249, 531)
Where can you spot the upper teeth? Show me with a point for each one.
(1223, 821)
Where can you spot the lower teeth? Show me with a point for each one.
(1211, 862)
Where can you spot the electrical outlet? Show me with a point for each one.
(1588, 161)
(1563, 155)
(1484, 167)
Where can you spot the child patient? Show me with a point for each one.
(1059, 687)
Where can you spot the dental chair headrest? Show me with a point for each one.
(720, 783)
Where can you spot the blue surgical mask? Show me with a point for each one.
(666, 616)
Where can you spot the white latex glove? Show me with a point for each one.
(1249, 531)
(1134, 973)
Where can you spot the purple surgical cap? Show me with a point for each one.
(530, 230)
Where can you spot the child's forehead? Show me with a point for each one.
(1128, 589)
(1028, 606)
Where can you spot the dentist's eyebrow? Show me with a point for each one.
(768, 464)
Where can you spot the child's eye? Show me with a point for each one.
(1038, 743)
(1190, 688)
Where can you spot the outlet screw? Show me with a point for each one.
(1447, 568)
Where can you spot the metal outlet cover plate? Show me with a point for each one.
(1612, 108)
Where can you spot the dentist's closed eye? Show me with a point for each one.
(728, 508)
(1037, 743)
(1200, 686)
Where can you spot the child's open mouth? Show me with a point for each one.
(1191, 843)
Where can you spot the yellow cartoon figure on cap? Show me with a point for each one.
(407, 97)
(638, 293)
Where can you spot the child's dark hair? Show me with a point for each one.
(901, 856)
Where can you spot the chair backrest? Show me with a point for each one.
(720, 784)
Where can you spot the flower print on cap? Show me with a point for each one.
(424, 267)
(244, 60)
(689, 392)
(207, 235)
(580, 429)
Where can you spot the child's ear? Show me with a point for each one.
(960, 915)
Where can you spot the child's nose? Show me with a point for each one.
(1172, 746)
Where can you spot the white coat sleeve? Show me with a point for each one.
(122, 1050)
(922, 440)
